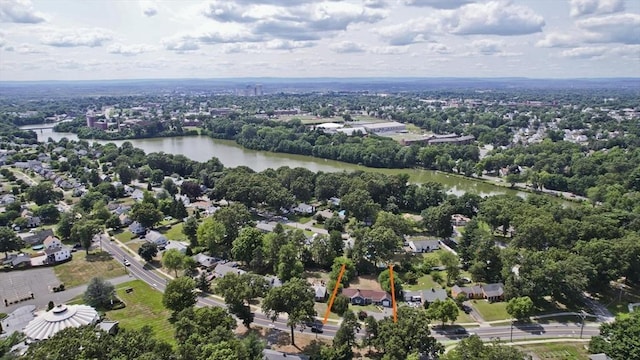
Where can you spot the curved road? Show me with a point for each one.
(505, 333)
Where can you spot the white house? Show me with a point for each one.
(422, 246)
(52, 242)
(58, 254)
(155, 237)
(303, 208)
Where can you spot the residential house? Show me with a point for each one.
(204, 261)
(32, 221)
(303, 208)
(493, 292)
(51, 242)
(600, 356)
(16, 261)
(273, 281)
(320, 292)
(137, 195)
(425, 296)
(155, 237)
(38, 238)
(471, 292)
(7, 199)
(58, 254)
(459, 220)
(366, 297)
(266, 227)
(334, 201)
(223, 269)
(125, 220)
(327, 214)
(424, 246)
(137, 228)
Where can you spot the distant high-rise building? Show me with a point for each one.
(253, 90)
(91, 119)
(259, 90)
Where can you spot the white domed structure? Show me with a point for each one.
(48, 323)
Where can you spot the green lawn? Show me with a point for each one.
(143, 307)
(424, 283)
(367, 308)
(553, 350)
(124, 236)
(491, 311)
(464, 318)
(82, 268)
(175, 233)
(321, 308)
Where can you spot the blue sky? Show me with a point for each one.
(128, 39)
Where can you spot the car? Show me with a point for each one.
(126, 262)
(460, 331)
(466, 309)
(315, 326)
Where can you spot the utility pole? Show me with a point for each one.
(511, 339)
(582, 316)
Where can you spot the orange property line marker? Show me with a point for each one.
(333, 295)
(393, 295)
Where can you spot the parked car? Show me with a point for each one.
(466, 309)
(126, 262)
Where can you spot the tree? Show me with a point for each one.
(65, 225)
(99, 293)
(473, 348)
(384, 280)
(619, 339)
(289, 265)
(345, 338)
(443, 310)
(211, 234)
(322, 251)
(156, 176)
(190, 229)
(170, 186)
(173, 259)
(83, 231)
(48, 213)
(43, 193)
(451, 263)
(191, 189)
(437, 220)
(179, 294)
(520, 308)
(113, 222)
(233, 217)
(410, 334)
(239, 291)
(146, 214)
(295, 298)
(244, 245)
(125, 174)
(9, 241)
(340, 305)
(148, 251)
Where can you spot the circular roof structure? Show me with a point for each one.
(47, 324)
(330, 125)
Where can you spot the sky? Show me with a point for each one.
(129, 39)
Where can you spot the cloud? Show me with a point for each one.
(129, 50)
(616, 28)
(389, 50)
(77, 37)
(315, 21)
(495, 18)
(560, 40)
(149, 8)
(594, 7)
(227, 11)
(586, 52)
(180, 44)
(278, 44)
(228, 35)
(375, 4)
(411, 31)
(488, 47)
(346, 47)
(19, 11)
(24, 49)
(438, 4)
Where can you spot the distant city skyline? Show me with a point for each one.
(104, 39)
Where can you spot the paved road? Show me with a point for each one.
(505, 333)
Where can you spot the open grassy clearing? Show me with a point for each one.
(368, 308)
(564, 350)
(124, 236)
(321, 308)
(491, 311)
(83, 267)
(174, 232)
(365, 282)
(143, 307)
(425, 282)
(464, 318)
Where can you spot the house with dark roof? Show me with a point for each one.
(38, 237)
(16, 261)
(490, 292)
(366, 297)
(223, 269)
(422, 296)
(471, 292)
(204, 261)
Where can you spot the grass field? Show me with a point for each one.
(464, 318)
(143, 307)
(174, 232)
(424, 283)
(321, 308)
(491, 311)
(564, 350)
(368, 308)
(83, 267)
(124, 236)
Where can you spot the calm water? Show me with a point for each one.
(203, 148)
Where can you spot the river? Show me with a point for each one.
(203, 148)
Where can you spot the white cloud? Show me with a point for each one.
(19, 11)
(412, 31)
(25, 49)
(594, 7)
(375, 4)
(228, 35)
(77, 37)
(278, 44)
(495, 18)
(560, 39)
(438, 4)
(584, 52)
(227, 11)
(487, 46)
(129, 50)
(149, 8)
(180, 43)
(616, 28)
(389, 50)
(345, 47)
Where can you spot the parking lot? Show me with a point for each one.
(22, 283)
